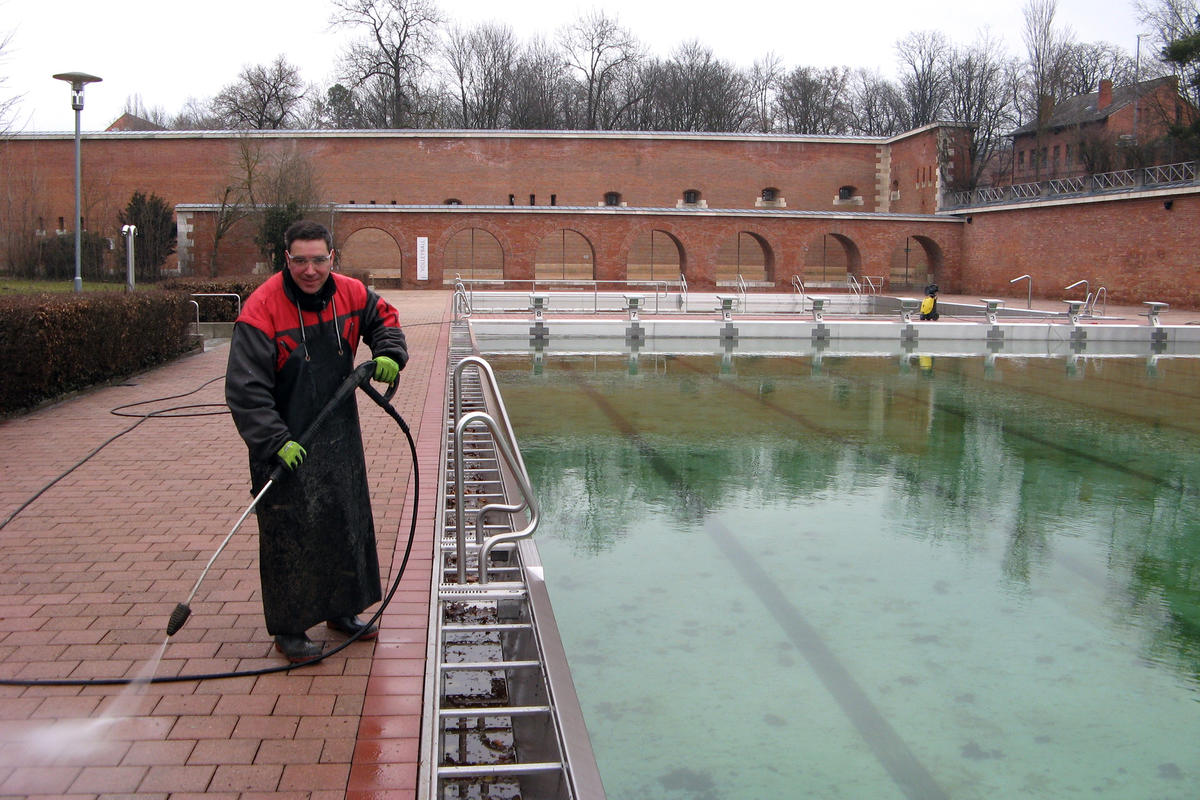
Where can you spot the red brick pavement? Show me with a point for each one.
(94, 567)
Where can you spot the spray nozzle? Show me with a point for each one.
(178, 617)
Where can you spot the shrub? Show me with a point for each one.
(215, 309)
(51, 344)
(56, 256)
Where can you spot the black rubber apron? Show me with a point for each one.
(317, 554)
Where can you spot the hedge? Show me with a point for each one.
(215, 309)
(51, 344)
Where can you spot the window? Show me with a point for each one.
(612, 198)
(1056, 155)
(553, 199)
(770, 194)
(846, 193)
(512, 199)
(1021, 160)
(691, 197)
(1068, 154)
(533, 199)
(453, 201)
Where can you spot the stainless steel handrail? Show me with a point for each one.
(1087, 296)
(1028, 300)
(662, 288)
(855, 288)
(798, 285)
(507, 441)
(1100, 290)
(522, 479)
(742, 290)
(462, 303)
(220, 294)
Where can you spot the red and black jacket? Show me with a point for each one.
(283, 332)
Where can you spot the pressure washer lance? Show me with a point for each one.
(361, 375)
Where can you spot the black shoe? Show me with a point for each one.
(297, 649)
(352, 625)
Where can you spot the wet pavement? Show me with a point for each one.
(94, 567)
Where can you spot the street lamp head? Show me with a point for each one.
(77, 80)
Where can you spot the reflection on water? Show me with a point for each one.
(874, 578)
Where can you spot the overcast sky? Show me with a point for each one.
(168, 52)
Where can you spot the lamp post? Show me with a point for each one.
(77, 80)
(1137, 69)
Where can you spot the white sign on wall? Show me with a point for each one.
(422, 258)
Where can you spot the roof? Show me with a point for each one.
(132, 122)
(1082, 108)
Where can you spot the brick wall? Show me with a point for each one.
(1138, 249)
(616, 238)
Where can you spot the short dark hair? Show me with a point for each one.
(307, 230)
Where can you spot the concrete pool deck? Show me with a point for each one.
(96, 564)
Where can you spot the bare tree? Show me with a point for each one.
(923, 57)
(979, 77)
(7, 104)
(264, 97)
(1174, 21)
(1047, 49)
(135, 106)
(196, 115)
(387, 66)
(235, 200)
(815, 101)
(765, 76)
(600, 50)
(1086, 64)
(698, 92)
(875, 105)
(482, 62)
(538, 97)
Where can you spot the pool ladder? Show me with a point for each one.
(508, 722)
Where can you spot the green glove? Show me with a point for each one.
(291, 454)
(386, 370)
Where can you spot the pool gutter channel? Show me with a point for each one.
(501, 715)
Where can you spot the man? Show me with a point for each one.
(293, 345)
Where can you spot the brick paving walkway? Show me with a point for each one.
(93, 568)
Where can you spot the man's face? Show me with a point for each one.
(309, 261)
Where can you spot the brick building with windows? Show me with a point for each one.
(413, 209)
(1098, 132)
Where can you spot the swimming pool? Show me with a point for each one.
(874, 577)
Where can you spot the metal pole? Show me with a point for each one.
(78, 212)
(129, 231)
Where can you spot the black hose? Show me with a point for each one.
(383, 402)
(163, 412)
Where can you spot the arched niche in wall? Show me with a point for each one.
(655, 255)
(373, 251)
(473, 254)
(915, 262)
(746, 254)
(830, 257)
(564, 255)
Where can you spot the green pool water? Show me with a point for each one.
(874, 578)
